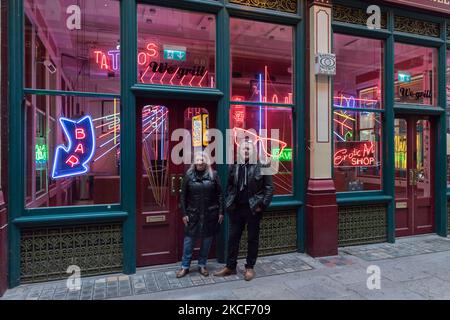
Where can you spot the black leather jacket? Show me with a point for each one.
(202, 201)
(259, 186)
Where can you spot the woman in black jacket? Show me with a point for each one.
(202, 209)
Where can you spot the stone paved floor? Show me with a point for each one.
(402, 248)
(149, 280)
(412, 268)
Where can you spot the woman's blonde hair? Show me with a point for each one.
(206, 159)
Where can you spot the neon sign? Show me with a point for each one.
(41, 154)
(154, 71)
(111, 59)
(74, 159)
(355, 154)
(240, 135)
(285, 156)
(342, 101)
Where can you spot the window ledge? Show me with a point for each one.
(363, 199)
(70, 218)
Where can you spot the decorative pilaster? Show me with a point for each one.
(321, 210)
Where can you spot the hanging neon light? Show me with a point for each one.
(239, 134)
(352, 102)
(262, 93)
(74, 159)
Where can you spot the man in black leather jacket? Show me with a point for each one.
(249, 193)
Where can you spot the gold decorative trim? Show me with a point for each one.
(420, 27)
(289, 6)
(355, 15)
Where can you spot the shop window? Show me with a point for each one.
(78, 43)
(261, 62)
(358, 81)
(415, 74)
(176, 47)
(72, 151)
(357, 150)
(270, 128)
(358, 87)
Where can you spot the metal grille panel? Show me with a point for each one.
(46, 253)
(278, 234)
(420, 27)
(279, 5)
(362, 224)
(355, 15)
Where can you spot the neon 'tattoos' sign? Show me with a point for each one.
(154, 71)
(74, 159)
(354, 154)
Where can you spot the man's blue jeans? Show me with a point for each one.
(188, 248)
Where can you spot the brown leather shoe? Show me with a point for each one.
(182, 272)
(225, 272)
(203, 271)
(249, 274)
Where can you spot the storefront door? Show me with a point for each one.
(159, 223)
(414, 178)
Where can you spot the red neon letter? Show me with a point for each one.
(104, 64)
(142, 58)
(72, 161)
(79, 133)
(97, 56)
(80, 148)
(153, 49)
(369, 149)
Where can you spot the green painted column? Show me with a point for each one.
(299, 131)
(128, 45)
(388, 131)
(223, 84)
(441, 220)
(16, 155)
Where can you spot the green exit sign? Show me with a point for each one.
(41, 156)
(176, 53)
(285, 156)
(404, 77)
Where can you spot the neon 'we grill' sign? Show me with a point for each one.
(74, 159)
(168, 68)
(355, 154)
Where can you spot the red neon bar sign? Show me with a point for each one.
(355, 154)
